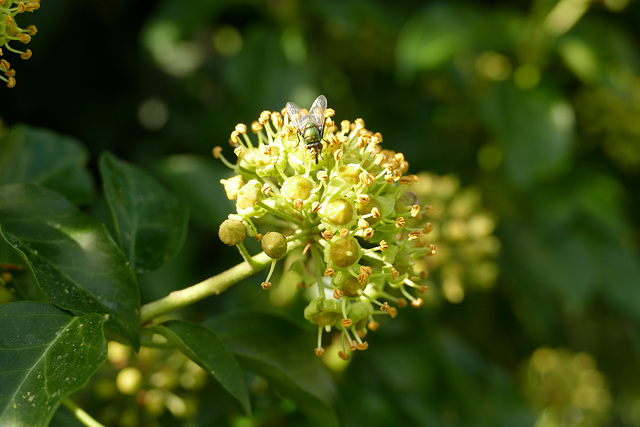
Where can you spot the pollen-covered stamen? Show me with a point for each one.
(264, 117)
(394, 273)
(234, 139)
(276, 119)
(405, 180)
(414, 235)
(362, 346)
(415, 210)
(365, 272)
(383, 245)
(400, 222)
(329, 271)
(266, 285)
(367, 233)
(327, 234)
(428, 228)
(337, 294)
(344, 232)
(363, 199)
(431, 249)
(367, 178)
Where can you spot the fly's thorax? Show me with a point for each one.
(311, 133)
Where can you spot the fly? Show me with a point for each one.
(310, 126)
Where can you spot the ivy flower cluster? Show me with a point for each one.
(10, 31)
(348, 208)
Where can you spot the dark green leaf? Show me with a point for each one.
(45, 355)
(197, 180)
(76, 263)
(432, 37)
(205, 348)
(150, 222)
(535, 129)
(282, 352)
(40, 156)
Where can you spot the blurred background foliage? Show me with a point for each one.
(523, 116)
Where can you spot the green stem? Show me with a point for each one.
(246, 255)
(80, 414)
(211, 286)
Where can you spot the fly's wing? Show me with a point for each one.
(294, 115)
(317, 112)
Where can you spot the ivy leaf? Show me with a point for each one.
(150, 222)
(205, 348)
(40, 156)
(75, 261)
(46, 354)
(281, 351)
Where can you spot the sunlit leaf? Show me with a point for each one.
(77, 264)
(45, 355)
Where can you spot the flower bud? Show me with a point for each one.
(274, 244)
(348, 284)
(297, 187)
(403, 262)
(232, 232)
(406, 200)
(342, 251)
(366, 209)
(360, 312)
(338, 212)
(350, 173)
(323, 312)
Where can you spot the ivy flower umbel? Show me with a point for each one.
(10, 31)
(348, 204)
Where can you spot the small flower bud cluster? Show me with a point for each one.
(467, 247)
(350, 207)
(10, 31)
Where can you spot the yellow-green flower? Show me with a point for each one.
(350, 206)
(10, 31)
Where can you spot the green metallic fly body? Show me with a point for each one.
(310, 126)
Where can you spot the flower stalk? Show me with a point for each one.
(212, 286)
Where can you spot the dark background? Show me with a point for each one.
(533, 105)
